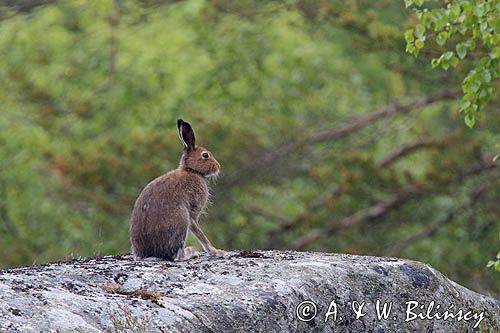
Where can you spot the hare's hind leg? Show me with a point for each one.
(179, 235)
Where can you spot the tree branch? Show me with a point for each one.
(434, 226)
(408, 149)
(323, 199)
(24, 5)
(255, 210)
(376, 211)
(382, 208)
(387, 111)
(319, 202)
(279, 151)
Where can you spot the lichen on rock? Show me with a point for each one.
(265, 291)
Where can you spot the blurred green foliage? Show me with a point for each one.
(90, 91)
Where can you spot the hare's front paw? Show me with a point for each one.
(217, 253)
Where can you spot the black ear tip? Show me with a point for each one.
(179, 122)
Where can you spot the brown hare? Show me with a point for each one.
(171, 205)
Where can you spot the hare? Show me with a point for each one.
(171, 205)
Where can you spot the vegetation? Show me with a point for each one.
(472, 27)
(331, 138)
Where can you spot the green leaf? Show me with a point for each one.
(409, 36)
(475, 85)
(484, 27)
(441, 38)
(469, 96)
(495, 53)
(447, 55)
(455, 10)
(419, 31)
(454, 61)
(470, 121)
(461, 50)
(462, 29)
(486, 75)
(479, 10)
(465, 105)
(410, 48)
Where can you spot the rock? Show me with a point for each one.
(243, 292)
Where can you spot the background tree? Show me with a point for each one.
(330, 137)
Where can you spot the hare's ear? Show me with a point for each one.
(186, 134)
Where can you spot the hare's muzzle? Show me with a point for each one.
(216, 167)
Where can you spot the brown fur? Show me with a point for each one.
(171, 204)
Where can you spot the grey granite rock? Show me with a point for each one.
(243, 292)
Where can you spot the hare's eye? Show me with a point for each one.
(205, 155)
